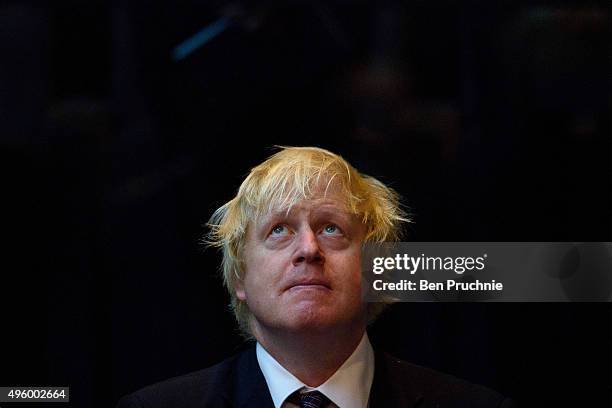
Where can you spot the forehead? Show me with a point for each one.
(315, 192)
(311, 207)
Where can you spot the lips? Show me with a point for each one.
(309, 283)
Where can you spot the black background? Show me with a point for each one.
(492, 120)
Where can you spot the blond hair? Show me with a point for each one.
(285, 178)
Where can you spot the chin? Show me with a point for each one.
(318, 319)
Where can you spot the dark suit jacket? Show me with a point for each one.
(239, 382)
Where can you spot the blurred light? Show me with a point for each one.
(199, 39)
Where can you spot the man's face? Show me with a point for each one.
(303, 268)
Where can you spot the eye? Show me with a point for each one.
(331, 229)
(279, 230)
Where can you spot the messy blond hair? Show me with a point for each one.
(285, 178)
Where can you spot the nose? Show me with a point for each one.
(308, 250)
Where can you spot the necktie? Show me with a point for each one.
(312, 399)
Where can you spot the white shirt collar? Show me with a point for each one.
(347, 387)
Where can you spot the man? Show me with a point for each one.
(291, 241)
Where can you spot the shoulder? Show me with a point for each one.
(423, 386)
(201, 388)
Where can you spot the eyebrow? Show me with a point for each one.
(335, 212)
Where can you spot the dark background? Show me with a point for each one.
(492, 119)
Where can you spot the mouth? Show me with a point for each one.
(316, 284)
(309, 286)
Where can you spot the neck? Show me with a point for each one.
(312, 358)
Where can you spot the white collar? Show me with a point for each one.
(349, 386)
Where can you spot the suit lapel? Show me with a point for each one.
(391, 386)
(250, 387)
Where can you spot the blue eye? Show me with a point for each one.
(330, 229)
(278, 230)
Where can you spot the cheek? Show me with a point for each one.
(348, 267)
(353, 255)
(261, 274)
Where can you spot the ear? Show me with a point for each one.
(239, 289)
